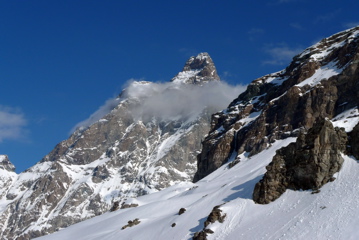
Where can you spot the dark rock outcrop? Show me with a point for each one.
(181, 211)
(309, 163)
(115, 206)
(353, 146)
(131, 223)
(215, 215)
(125, 205)
(202, 235)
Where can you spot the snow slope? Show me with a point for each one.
(330, 214)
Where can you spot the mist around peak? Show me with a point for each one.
(169, 101)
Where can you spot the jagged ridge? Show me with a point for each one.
(320, 82)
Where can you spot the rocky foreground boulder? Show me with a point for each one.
(309, 163)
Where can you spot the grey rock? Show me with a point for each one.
(131, 223)
(214, 216)
(202, 235)
(181, 211)
(198, 70)
(309, 163)
(353, 145)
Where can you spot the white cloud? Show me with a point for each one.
(280, 54)
(171, 101)
(12, 123)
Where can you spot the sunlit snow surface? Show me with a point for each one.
(347, 119)
(324, 72)
(330, 214)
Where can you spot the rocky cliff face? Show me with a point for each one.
(309, 163)
(127, 153)
(321, 82)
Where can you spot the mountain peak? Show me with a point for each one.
(6, 164)
(197, 70)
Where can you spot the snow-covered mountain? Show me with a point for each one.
(147, 142)
(7, 174)
(279, 163)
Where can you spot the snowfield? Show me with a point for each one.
(330, 214)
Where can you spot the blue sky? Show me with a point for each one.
(61, 60)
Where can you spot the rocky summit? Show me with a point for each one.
(198, 70)
(7, 174)
(131, 151)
